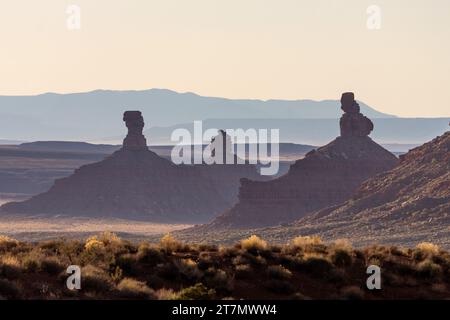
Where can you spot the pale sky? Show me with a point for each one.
(262, 49)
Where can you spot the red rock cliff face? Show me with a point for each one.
(325, 177)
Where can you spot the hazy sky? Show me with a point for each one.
(265, 49)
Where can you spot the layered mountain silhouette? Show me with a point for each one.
(135, 182)
(73, 117)
(325, 177)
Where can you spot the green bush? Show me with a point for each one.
(196, 292)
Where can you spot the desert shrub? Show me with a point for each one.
(336, 276)
(240, 260)
(133, 289)
(94, 279)
(306, 241)
(341, 257)
(400, 267)
(10, 267)
(228, 252)
(395, 251)
(188, 268)
(9, 289)
(279, 272)
(429, 269)
(359, 254)
(167, 271)
(196, 292)
(149, 254)
(117, 274)
(165, 294)
(127, 262)
(308, 244)
(218, 279)
(428, 248)
(317, 265)
(253, 244)
(208, 247)
(243, 271)
(280, 286)
(206, 261)
(31, 263)
(169, 244)
(352, 293)
(286, 260)
(343, 244)
(254, 260)
(7, 243)
(51, 265)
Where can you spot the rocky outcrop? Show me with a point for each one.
(325, 177)
(135, 124)
(136, 183)
(353, 123)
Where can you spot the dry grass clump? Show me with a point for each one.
(133, 289)
(317, 265)
(428, 247)
(253, 244)
(95, 280)
(306, 242)
(169, 244)
(7, 243)
(218, 279)
(165, 294)
(188, 268)
(51, 265)
(429, 269)
(149, 254)
(10, 267)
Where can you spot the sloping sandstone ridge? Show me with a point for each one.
(136, 183)
(406, 205)
(325, 177)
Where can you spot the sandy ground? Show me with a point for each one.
(40, 228)
(37, 227)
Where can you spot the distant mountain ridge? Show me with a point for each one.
(75, 116)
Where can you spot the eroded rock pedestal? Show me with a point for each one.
(325, 177)
(135, 124)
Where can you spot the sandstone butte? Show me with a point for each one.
(136, 183)
(324, 177)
